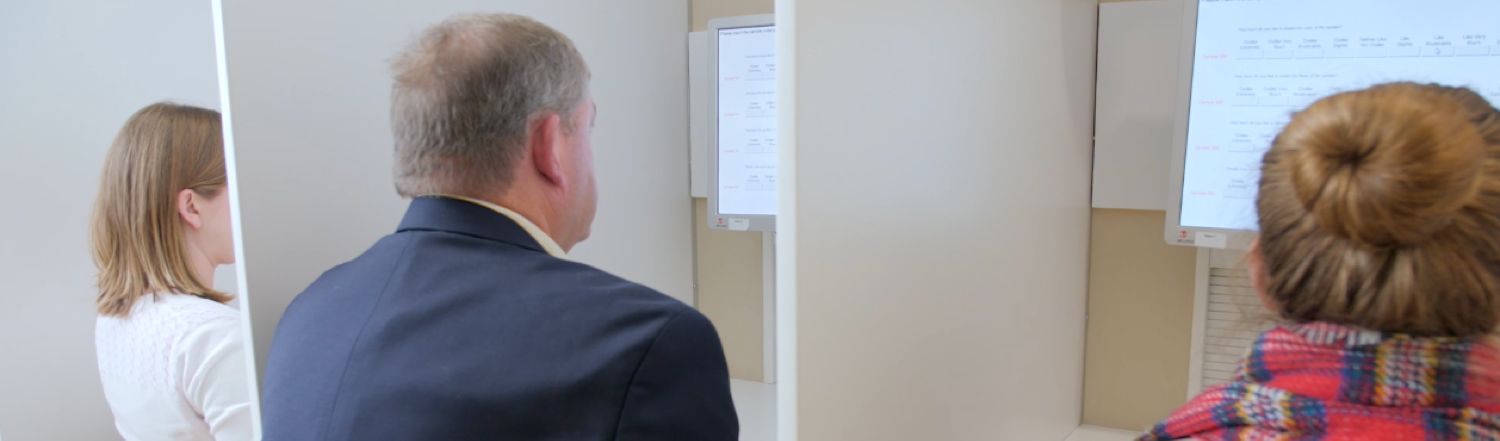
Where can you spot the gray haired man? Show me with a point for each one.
(469, 322)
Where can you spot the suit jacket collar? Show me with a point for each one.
(434, 213)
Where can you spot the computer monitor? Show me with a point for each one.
(1248, 66)
(742, 131)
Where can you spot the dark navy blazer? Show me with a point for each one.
(460, 327)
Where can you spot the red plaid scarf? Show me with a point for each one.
(1327, 382)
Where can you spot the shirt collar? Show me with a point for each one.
(536, 232)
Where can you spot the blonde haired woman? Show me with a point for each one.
(1380, 246)
(170, 350)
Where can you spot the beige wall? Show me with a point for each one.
(705, 10)
(1140, 321)
(729, 292)
(729, 263)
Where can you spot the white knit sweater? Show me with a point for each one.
(174, 369)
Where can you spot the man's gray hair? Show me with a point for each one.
(467, 90)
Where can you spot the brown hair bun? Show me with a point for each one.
(1380, 209)
(1385, 167)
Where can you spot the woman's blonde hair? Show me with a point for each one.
(138, 238)
(1380, 209)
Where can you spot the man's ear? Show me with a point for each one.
(546, 144)
(187, 208)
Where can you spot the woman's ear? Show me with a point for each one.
(187, 208)
(1259, 278)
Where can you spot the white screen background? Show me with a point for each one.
(1258, 61)
(747, 121)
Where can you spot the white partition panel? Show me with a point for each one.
(1137, 92)
(698, 112)
(939, 217)
(309, 87)
(71, 73)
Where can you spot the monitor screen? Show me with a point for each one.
(746, 121)
(1256, 62)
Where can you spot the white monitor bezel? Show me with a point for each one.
(717, 220)
(1176, 233)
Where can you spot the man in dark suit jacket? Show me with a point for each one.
(469, 323)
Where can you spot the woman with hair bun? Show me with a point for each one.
(1379, 219)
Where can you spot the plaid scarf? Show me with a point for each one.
(1327, 382)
